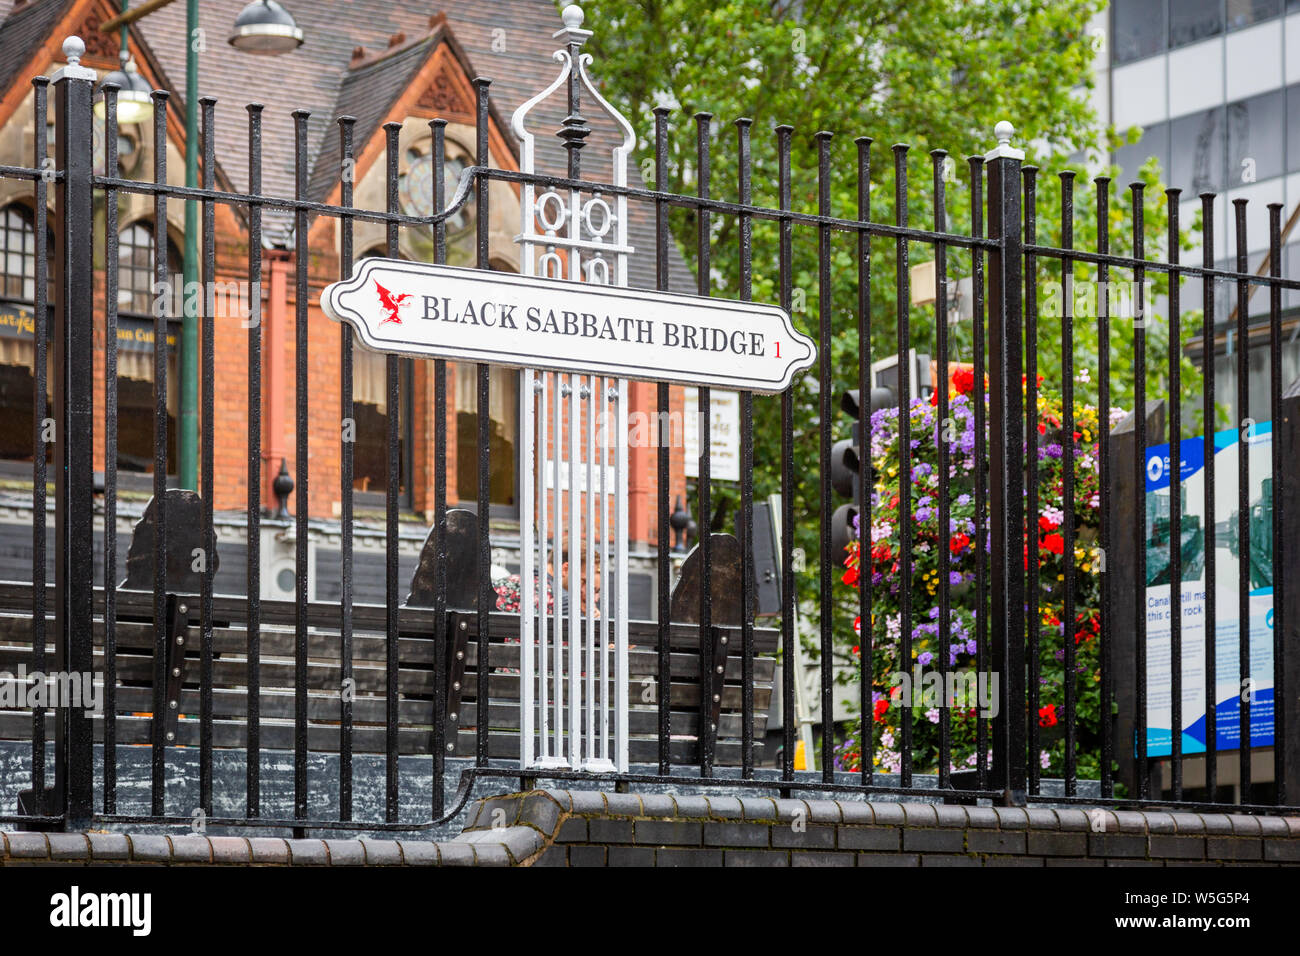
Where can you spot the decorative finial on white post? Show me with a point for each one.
(73, 48)
(573, 16)
(1004, 150)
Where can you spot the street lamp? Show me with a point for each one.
(134, 104)
(262, 27)
(265, 27)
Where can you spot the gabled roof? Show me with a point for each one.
(509, 41)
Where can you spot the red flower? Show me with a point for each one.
(958, 543)
(1046, 524)
(1042, 429)
(879, 709)
(851, 577)
(1054, 543)
(1047, 716)
(934, 397)
(963, 380)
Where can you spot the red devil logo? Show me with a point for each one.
(390, 303)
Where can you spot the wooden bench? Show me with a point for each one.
(277, 672)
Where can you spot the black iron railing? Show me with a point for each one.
(1005, 268)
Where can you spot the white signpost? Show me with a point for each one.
(577, 334)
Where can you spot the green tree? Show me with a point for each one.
(934, 74)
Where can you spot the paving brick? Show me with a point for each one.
(1072, 861)
(856, 811)
(28, 846)
(623, 804)
(419, 852)
(1165, 846)
(496, 812)
(737, 834)
(1282, 851)
(820, 858)
(1039, 843)
(1188, 823)
(604, 830)
(756, 858)
(934, 841)
(151, 848)
(572, 830)
(191, 848)
(307, 852)
(1131, 821)
(1117, 845)
(692, 857)
(587, 802)
(69, 846)
(1217, 824)
(1042, 819)
(942, 859)
(112, 846)
(951, 817)
(869, 838)
(346, 852)
(268, 849)
(382, 852)
(890, 814)
(228, 849)
(521, 842)
(888, 859)
(668, 832)
(1273, 827)
(587, 856)
(1013, 861)
(920, 815)
(657, 805)
(1160, 822)
(1012, 818)
(824, 811)
(1121, 861)
(1072, 819)
(491, 854)
(790, 810)
(554, 856)
(995, 841)
(631, 856)
(692, 807)
(725, 808)
(815, 837)
(562, 798)
(456, 853)
(540, 811)
(1234, 848)
(1243, 825)
(758, 808)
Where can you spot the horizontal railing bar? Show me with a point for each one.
(1155, 265)
(27, 172)
(16, 597)
(470, 174)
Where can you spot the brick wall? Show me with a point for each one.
(590, 828)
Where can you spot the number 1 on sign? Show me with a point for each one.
(778, 349)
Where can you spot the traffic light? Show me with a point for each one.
(846, 477)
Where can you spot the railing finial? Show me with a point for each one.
(73, 48)
(573, 16)
(1004, 150)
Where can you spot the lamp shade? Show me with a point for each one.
(265, 27)
(134, 103)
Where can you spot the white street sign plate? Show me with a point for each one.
(474, 315)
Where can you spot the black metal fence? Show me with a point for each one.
(85, 621)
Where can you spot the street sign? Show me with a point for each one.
(475, 315)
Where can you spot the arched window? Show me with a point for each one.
(18, 330)
(136, 301)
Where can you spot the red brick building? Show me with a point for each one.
(380, 62)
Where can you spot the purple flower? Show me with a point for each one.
(924, 658)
